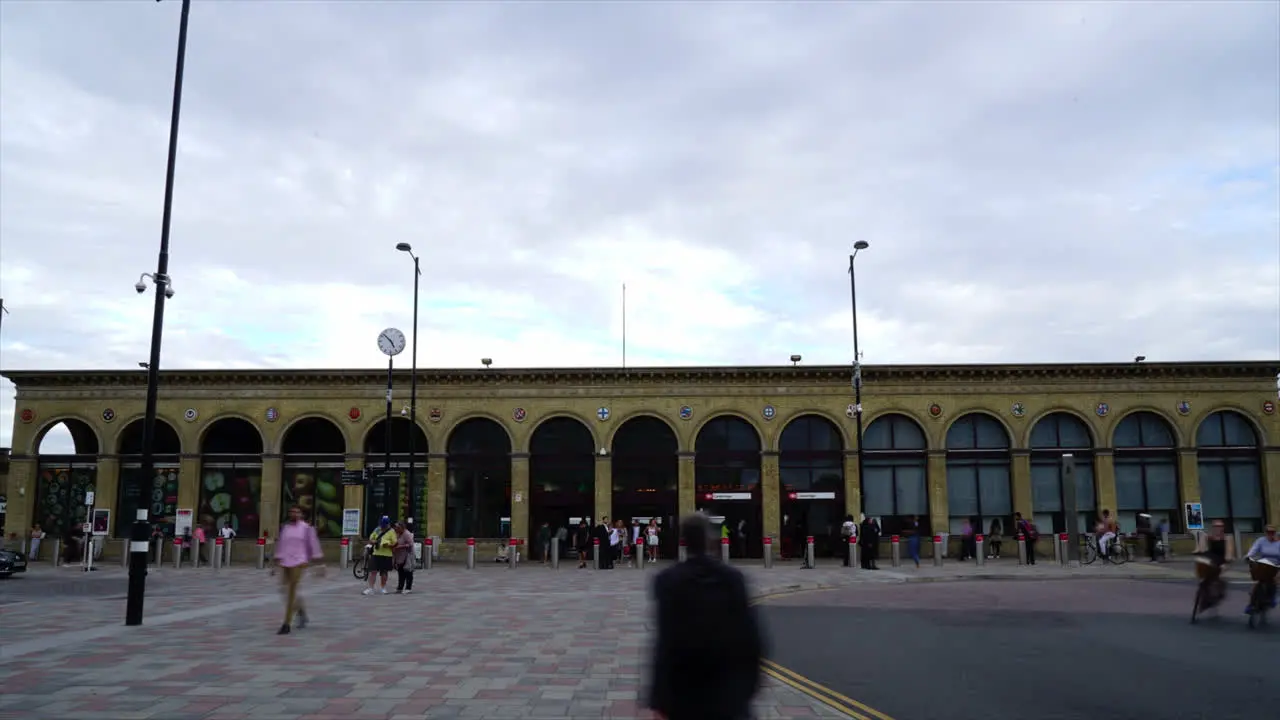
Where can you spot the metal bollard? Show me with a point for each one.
(344, 556)
(724, 550)
(1061, 545)
(513, 553)
(125, 550)
(428, 551)
(595, 553)
(555, 553)
(471, 553)
(682, 553)
(938, 550)
(196, 547)
(177, 553)
(895, 548)
(853, 552)
(1022, 549)
(638, 553)
(159, 547)
(57, 553)
(1168, 549)
(218, 545)
(768, 552)
(226, 560)
(980, 550)
(262, 553)
(808, 552)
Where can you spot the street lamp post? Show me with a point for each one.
(413, 376)
(857, 360)
(164, 290)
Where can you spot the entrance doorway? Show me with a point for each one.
(562, 479)
(646, 474)
(811, 469)
(727, 480)
(478, 481)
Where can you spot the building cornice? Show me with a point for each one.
(654, 376)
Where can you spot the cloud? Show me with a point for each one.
(1039, 182)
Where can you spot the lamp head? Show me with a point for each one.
(795, 359)
(1140, 358)
(404, 247)
(861, 245)
(486, 361)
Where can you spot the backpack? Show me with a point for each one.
(846, 530)
(1032, 532)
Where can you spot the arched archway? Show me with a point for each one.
(1228, 454)
(894, 484)
(478, 491)
(811, 475)
(67, 470)
(314, 451)
(231, 477)
(386, 461)
(562, 478)
(1052, 437)
(978, 475)
(645, 473)
(727, 481)
(1146, 463)
(157, 494)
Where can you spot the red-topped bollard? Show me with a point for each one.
(177, 553)
(471, 553)
(768, 551)
(724, 549)
(1022, 548)
(262, 551)
(682, 553)
(895, 550)
(853, 552)
(980, 550)
(595, 553)
(1060, 548)
(428, 550)
(938, 551)
(638, 552)
(513, 554)
(808, 552)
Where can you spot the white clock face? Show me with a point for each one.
(391, 341)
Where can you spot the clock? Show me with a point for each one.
(391, 342)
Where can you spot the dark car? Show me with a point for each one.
(12, 561)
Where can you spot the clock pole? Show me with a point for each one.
(391, 343)
(386, 434)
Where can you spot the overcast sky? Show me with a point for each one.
(1039, 182)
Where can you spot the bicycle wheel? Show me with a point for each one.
(1090, 554)
(1195, 608)
(1120, 554)
(360, 570)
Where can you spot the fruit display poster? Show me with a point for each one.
(318, 492)
(60, 494)
(230, 495)
(159, 498)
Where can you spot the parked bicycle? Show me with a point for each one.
(1117, 551)
(1263, 571)
(360, 568)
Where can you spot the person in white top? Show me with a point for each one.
(651, 539)
(615, 541)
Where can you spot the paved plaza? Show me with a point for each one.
(487, 643)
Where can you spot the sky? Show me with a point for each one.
(1038, 182)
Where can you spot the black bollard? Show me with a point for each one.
(139, 544)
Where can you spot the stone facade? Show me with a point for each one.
(98, 405)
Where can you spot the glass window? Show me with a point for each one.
(60, 496)
(976, 431)
(317, 490)
(1162, 485)
(962, 489)
(159, 497)
(1226, 429)
(231, 494)
(1129, 492)
(893, 432)
(878, 493)
(1214, 495)
(1046, 488)
(1143, 429)
(993, 490)
(911, 490)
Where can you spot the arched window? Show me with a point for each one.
(1229, 459)
(386, 462)
(478, 481)
(1054, 436)
(231, 477)
(727, 481)
(1146, 464)
(645, 471)
(562, 477)
(314, 452)
(158, 494)
(811, 469)
(978, 482)
(894, 462)
(67, 471)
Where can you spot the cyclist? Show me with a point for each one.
(1266, 547)
(1216, 551)
(1107, 530)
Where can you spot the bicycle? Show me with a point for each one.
(1117, 551)
(1263, 572)
(1211, 590)
(360, 568)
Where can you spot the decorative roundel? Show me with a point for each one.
(851, 411)
(1184, 408)
(435, 415)
(519, 414)
(1018, 409)
(108, 415)
(190, 415)
(769, 412)
(1102, 409)
(602, 413)
(272, 414)
(686, 412)
(1268, 407)
(27, 415)
(354, 414)
(935, 410)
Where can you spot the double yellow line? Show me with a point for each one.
(822, 693)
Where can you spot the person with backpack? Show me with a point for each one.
(1029, 536)
(384, 542)
(705, 663)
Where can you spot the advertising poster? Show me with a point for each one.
(231, 495)
(60, 494)
(1194, 515)
(318, 492)
(101, 522)
(157, 495)
(182, 524)
(351, 521)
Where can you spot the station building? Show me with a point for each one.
(770, 451)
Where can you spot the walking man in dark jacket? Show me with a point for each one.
(706, 661)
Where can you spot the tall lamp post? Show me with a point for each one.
(413, 377)
(164, 291)
(857, 357)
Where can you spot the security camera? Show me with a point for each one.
(168, 292)
(140, 287)
(604, 452)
